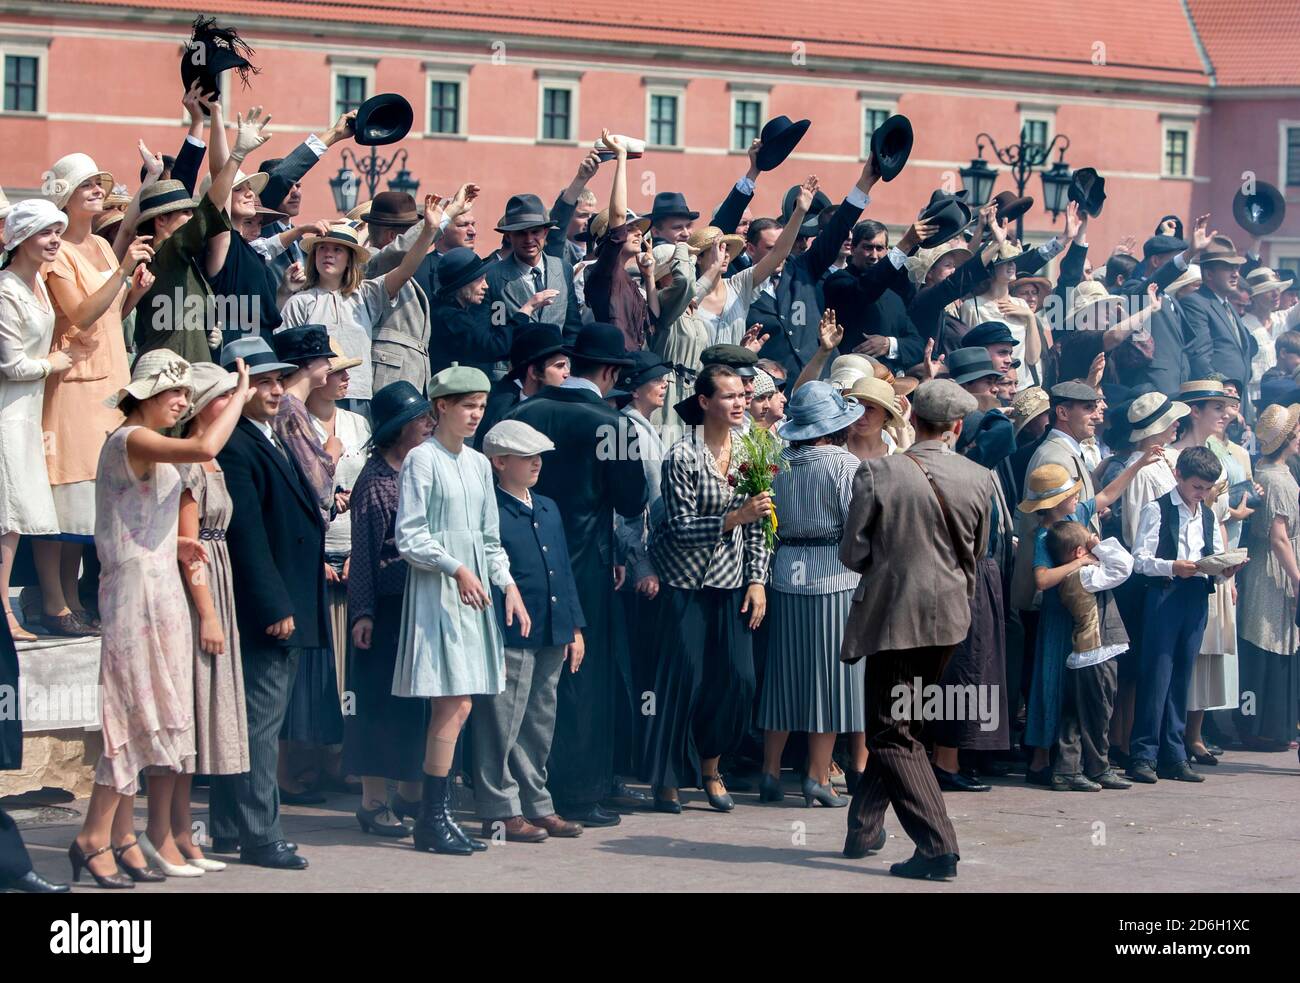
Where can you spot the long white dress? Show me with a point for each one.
(1214, 676)
(26, 330)
(446, 517)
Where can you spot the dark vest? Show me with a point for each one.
(1167, 545)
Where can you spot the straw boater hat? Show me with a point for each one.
(1200, 390)
(922, 261)
(878, 392)
(1189, 277)
(257, 181)
(155, 372)
(163, 197)
(1275, 427)
(69, 173)
(340, 235)
(702, 239)
(118, 197)
(210, 381)
(1087, 296)
(1028, 404)
(1153, 413)
(1049, 486)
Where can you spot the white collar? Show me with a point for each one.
(1183, 507)
(1066, 439)
(263, 426)
(577, 382)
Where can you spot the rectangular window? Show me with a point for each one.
(349, 93)
(749, 123)
(1293, 156)
(1034, 133)
(1177, 147)
(21, 83)
(557, 114)
(663, 120)
(444, 107)
(872, 119)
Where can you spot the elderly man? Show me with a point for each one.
(917, 525)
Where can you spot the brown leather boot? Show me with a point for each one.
(518, 830)
(557, 826)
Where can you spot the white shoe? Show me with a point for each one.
(203, 863)
(170, 869)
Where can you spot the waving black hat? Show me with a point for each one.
(383, 119)
(891, 144)
(780, 136)
(212, 50)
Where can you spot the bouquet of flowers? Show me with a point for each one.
(759, 455)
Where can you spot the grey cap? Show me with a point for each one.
(942, 401)
(515, 437)
(1075, 391)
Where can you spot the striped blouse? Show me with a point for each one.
(689, 548)
(812, 503)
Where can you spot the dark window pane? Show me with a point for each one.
(444, 107)
(556, 113)
(748, 123)
(663, 121)
(20, 83)
(1293, 155)
(350, 93)
(873, 119)
(1176, 142)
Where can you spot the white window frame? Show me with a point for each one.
(1184, 125)
(740, 95)
(356, 67)
(1282, 126)
(867, 102)
(28, 48)
(677, 90)
(572, 83)
(443, 73)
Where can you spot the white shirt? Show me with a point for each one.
(1076, 448)
(1150, 483)
(1190, 537)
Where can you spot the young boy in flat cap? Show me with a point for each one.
(513, 729)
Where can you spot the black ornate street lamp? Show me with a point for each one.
(344, 185)
(1023, 157)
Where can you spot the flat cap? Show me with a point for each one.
(457, 380)
(515, 437)
(733, 356)
(1076, 392)
(988, 333)
(1158, 245)
(942, 401)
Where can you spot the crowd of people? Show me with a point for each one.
(358, 505)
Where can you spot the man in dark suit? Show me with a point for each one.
(594, 471)
(1211, 317)
(529, 275)
(917, 526)
(538, 358)
(277, 558)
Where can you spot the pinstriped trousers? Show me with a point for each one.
(898, 769)
(248, 805)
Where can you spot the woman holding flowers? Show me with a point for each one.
(711, 549)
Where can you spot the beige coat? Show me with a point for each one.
(400, 348)
(916, 587)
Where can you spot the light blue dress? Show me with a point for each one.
(446, 517)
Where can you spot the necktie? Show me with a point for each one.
(539, 284)
(275, 442)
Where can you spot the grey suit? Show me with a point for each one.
(400, 348)
(1232, 345)
(511, 284)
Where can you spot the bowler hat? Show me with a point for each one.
(670, 204)
(257, 356)
(532, 344)
(1088, 190)
(646, 367)
(891, 144)
(460, 266)
(817, 410)
(965, 365)
(383, 119)
(601, 343)
(736, 357)
(1010, 207)
(947, 211)
(524, 212)
(210, 51)
(988, 333)
(394, 208)
(1259, 213)
(393, 407)
(302, 343)
(779, 138)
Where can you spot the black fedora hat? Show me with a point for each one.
(532, 344)
(393, 407)
(949, 212)
(383, 119)
(524, 212)
(819, 204)
(1259, 213)
(303, 343)
(891, 144)
(603, 343)
(671, 204)
(210, 51)
(460, 266)
(779, 137)
(1010, 207)
(1088, 190)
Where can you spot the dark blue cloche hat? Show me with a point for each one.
(393, 407)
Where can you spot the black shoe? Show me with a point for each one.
(594, 816)
(670, 806)
(224, 844)
(33, 883)
(940, 868)
(368, 821)
(403, 808)
(1142, 771)
(1179, 772)
(1205, 758)
(433, 829)
(723, 802)
(856, 851)
(307, 797)
(956, 782)
(769, 789)
(1108, 779)
(621, 796)
(1214, 749)
(1043, 776)
(276, 856)
(141, 875)
(1073, 783)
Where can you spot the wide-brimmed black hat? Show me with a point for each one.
(303, 343)
(383, 119)
(1259, 213)
(532, 344)
(460, 266)
(603, 343)
(646, 367)
(393, 407)
(1088, 190)
(210, 51)
(780, 136)
(671, 204)
(819, 204)
(1010, 207)
(891, 144)
(949, 212)
(524, 212)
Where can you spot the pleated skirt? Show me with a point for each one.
(805, 685)
(1214, 677)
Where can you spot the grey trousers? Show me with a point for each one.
(247, 806)
(512, 736)
(1083, 734)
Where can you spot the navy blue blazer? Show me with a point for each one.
(539, 562)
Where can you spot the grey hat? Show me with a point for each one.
(257, 355)
(817, 410)
(942, 401)
(1076, 392)
(210, 381)
(968, 364)
(515, 437)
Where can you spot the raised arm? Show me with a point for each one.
(829, 336)
(729, 213)
(249, 136)
(143, 444)
(396, 278)
(618, 192)
(153, 168)
(1109, 495)
(770, 263)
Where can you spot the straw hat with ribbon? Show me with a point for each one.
(1153, 413)
(703, 239)
(922, 261)
(163, 197)
(1201, 390)
(155, 372)
(257, 181)
(878, 392)
(1275, 426)
(599, 225)
(1048, 486)
(69, 173)
(340, 235)
(1261, 280)
(1084, 299)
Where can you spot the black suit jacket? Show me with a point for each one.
(1176, 349)
(870, 302)
(1231, 346)
(277, 543)
(504, 396)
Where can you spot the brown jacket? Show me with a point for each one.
(916, 586)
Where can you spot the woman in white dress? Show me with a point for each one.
(996, 303)
(31, 238)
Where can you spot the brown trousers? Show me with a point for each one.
(898, 768)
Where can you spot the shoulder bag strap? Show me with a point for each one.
(953, 536)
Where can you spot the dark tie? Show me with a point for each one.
(539, 283)
(275, 442)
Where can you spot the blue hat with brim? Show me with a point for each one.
(817, 410)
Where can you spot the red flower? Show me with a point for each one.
(744, 468)
(773, 468)
(731, 479)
